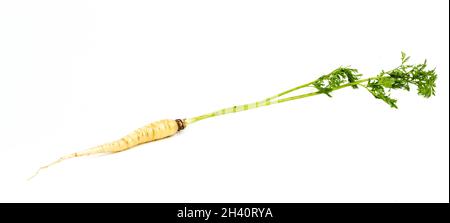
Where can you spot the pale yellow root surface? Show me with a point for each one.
(151, 132)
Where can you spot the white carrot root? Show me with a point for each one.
(154, 131)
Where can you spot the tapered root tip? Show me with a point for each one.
(35, 174)
(51, 164)
(41, 168)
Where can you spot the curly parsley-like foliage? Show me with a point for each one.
(381, 85)
(403, 77)
(342, 75)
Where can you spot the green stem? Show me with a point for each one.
(291, 90)
(356, 82)
(317, 92)
(269, 101)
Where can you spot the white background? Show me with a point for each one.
(74, 74)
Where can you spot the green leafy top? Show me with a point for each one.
(403, 77)
(338, 77)
(381, 85)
